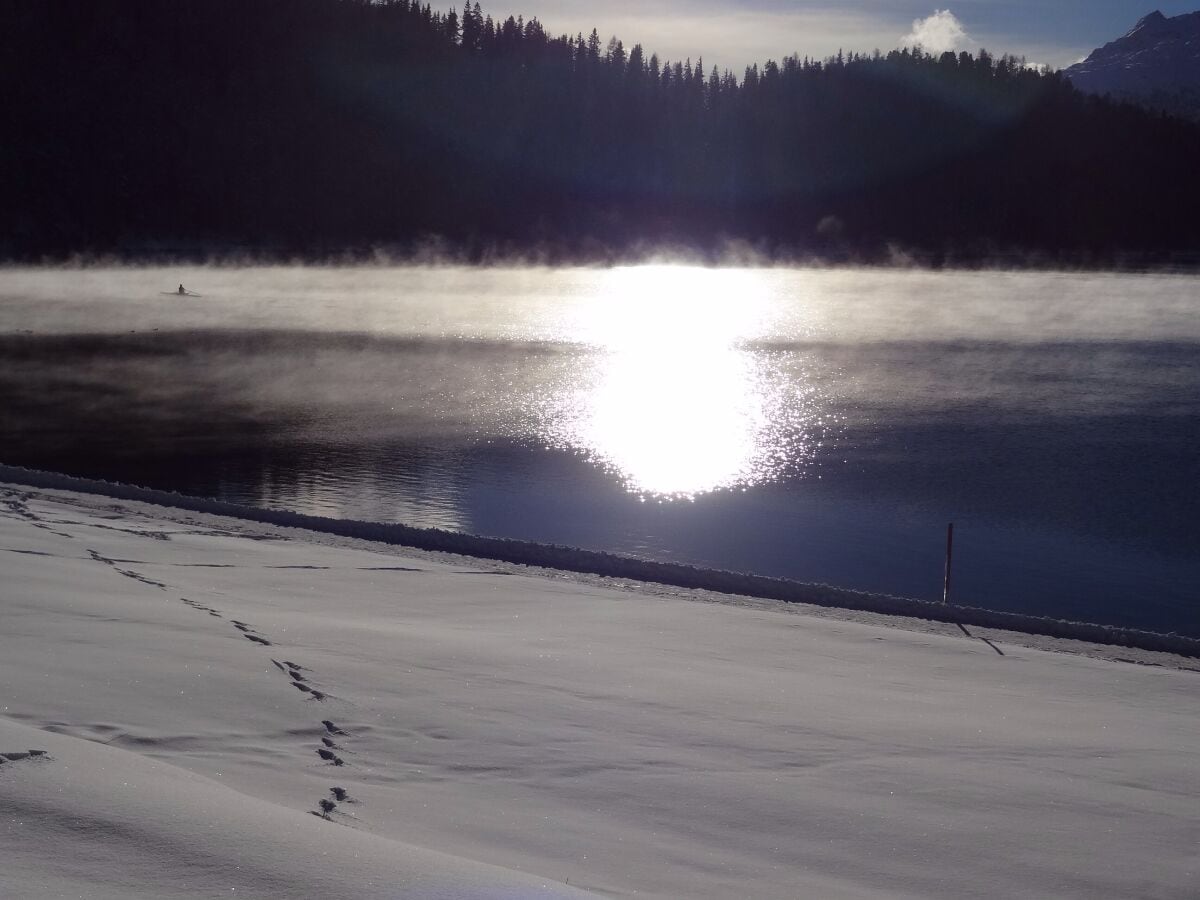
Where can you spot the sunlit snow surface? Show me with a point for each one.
(501, 734)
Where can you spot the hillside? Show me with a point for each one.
(312, 127)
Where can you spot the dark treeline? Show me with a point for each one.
(315, 126)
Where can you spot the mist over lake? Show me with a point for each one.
(823, 425)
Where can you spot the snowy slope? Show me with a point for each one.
(196, 682)
(90, 820)
(1159, 56)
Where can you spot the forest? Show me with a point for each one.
(312, 128)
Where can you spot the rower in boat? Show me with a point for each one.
(180, 291)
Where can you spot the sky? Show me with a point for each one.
(735, 33)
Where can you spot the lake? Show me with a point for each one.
(818, 424)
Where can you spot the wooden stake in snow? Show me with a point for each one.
(949, 554)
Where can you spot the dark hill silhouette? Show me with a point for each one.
(317, 126)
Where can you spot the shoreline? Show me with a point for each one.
(1182, 264)
(606, 566)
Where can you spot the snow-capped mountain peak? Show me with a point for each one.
(1148, 23)
(1158, 58)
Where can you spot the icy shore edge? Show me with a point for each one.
(595, 562)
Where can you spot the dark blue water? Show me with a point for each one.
(1069, 466)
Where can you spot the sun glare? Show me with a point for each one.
(675, 405)
(667, 308)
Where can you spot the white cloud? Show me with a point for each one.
(736, 33)
(725, 34)
(938, 33)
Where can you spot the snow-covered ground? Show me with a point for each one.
(199, 685)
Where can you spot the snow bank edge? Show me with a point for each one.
(594, 562)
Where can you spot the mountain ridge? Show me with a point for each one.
(1156, 63)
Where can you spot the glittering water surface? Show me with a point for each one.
(822, 425)
(676, 403)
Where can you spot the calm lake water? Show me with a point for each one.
(823, 425)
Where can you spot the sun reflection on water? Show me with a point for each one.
(678, 405)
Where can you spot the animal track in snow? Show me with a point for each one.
(201, 607)
(312, 692)
(330, 756)
(18, 755)
(247, 632)
(250, 634)
(128, 573)
(326, 806)
(299, 680)
(136, 532)
(18, 504)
